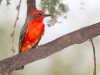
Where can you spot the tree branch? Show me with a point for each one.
(31, 5)
(12, 34)
(94, 57)
(10, 64)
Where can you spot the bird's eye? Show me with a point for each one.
(39, 14)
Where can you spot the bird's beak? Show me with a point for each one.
(46, 15)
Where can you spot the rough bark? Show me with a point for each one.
(10, 64)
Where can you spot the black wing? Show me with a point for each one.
(22, 35)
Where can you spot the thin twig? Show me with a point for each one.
(94, 72)
(12, 34)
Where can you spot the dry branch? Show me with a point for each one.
(10, 64)
(12, 34)
(94, 57)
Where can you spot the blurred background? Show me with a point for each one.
(67, 16)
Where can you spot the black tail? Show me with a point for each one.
(20, 68)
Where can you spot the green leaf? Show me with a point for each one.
(8, 2)
(55, 8)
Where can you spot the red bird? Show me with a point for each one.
(32, 31)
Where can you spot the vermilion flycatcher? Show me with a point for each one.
(32, 31)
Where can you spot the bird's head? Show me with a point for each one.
(38, 14)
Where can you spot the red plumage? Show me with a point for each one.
(33, 34)
(32, 31)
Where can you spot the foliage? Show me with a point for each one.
(8, 2)
(55, 8)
